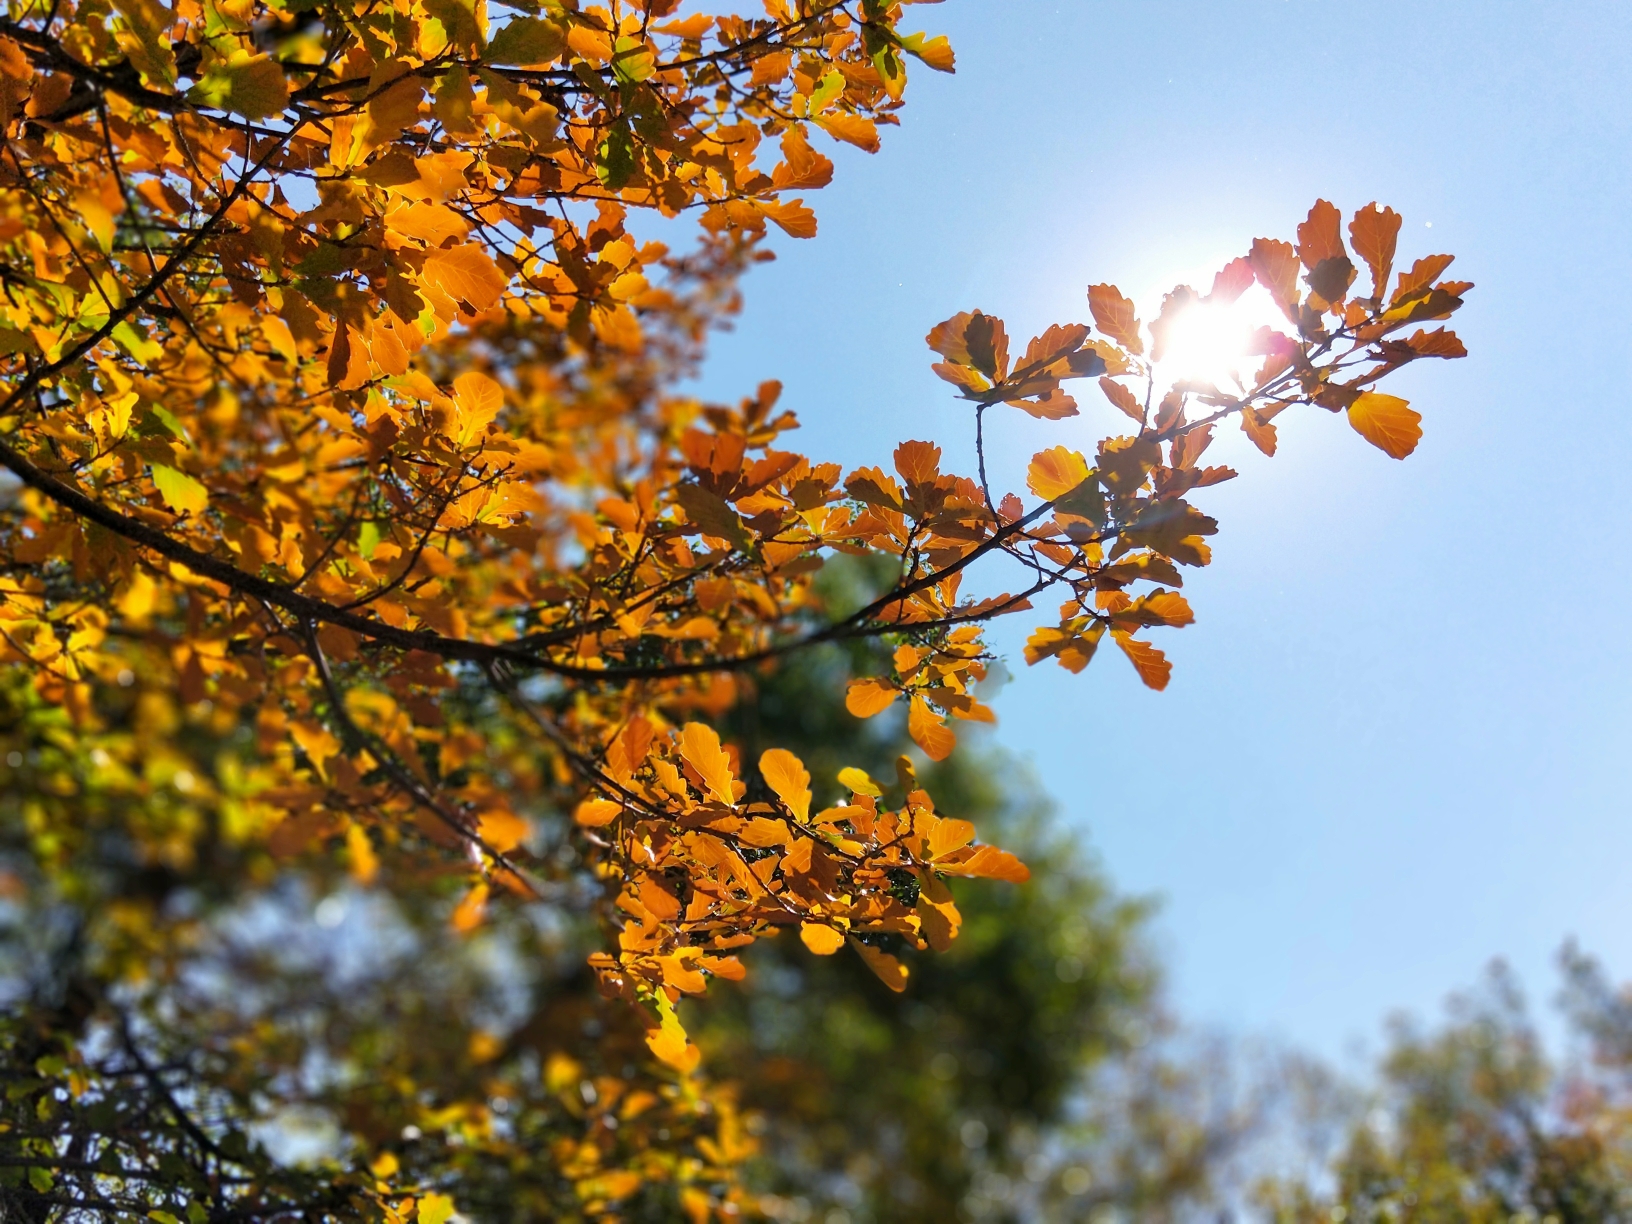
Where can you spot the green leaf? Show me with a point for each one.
(367, 539)
(615, 165)
(180, 491)
(831, 86)
(525, 40)
(632, 61)
(168, 420)
(41, 1179)
(132, 337)
(251, 86)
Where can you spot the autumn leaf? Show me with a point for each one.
(477, 400)
(253, 86)
(787, 776)
(885, 967)
(1387, 422)
(1149, 662)
(1055, 472)
(867, 697)
(858, 782)
(1260, 431)
(468, 914)
(466, 273)
(820, 938)
(929, 730)
(180, 491)
(700, 746)
(1374, 233)
(852, 129)
(594, 812)
(918, 462)
(1114, 315)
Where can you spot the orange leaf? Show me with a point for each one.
(989, 863)
(852, 129)
(820, 938)
(795, 219)
(1374, 233)
(1320, 237)
(1114, 316)
(1259, 430)
(786, 774)
(592, 813)
(476, 401)
(467, 274)
(929, 730)
(1387, 422)
(864, 698)
(889, 970)
(918, 462)
(1055, 472)
(467, 915)
(1275, 264)
(1150, 663)
(700, 745)
(1123, 399)
(949, 836)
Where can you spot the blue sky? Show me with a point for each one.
(1396, 743)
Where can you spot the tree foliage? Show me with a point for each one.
(359, 530)
(1478, 1122)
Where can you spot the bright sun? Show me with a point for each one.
(1208, 343)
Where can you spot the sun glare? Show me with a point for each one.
(1208, 342)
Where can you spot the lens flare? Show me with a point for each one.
(1208, 342)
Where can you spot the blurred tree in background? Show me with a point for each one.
(1478, 1122)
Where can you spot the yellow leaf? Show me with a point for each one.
(476, 400)
(435, 1209)
(1387, 422)
(701, 747)
(786, 774)
(180, 491)
(1055, 472)
(668, 1041)
(821, 938)
(365, 864)
(858, 782)
(864, 698)
(135, 602)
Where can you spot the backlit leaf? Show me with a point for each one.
(180, 491)
(700, 746)
(786, 775)
(1387, 422)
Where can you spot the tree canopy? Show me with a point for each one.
(360, 530)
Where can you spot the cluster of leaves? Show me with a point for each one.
(358, 526)
(1477, 1122)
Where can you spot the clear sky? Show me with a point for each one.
(1398, 739)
